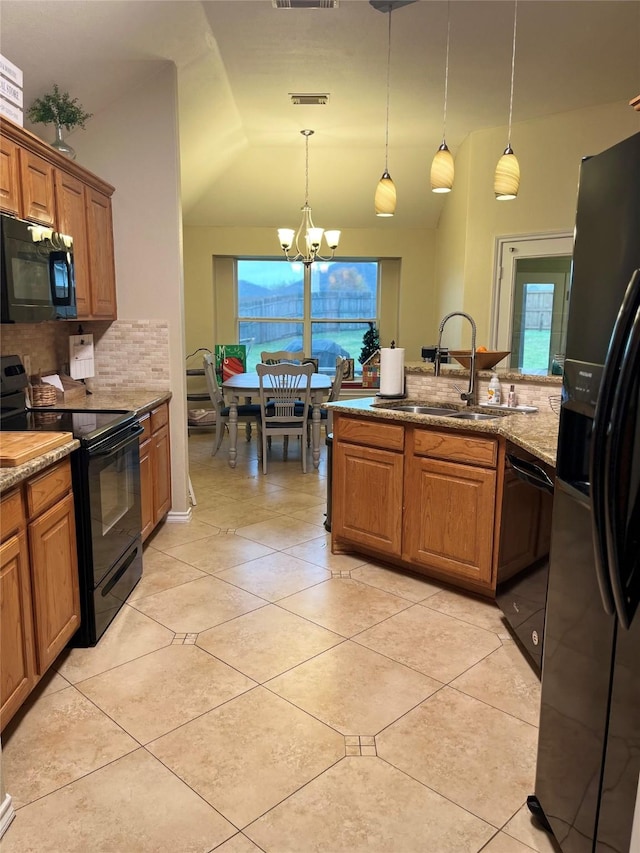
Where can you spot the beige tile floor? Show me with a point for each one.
(258, 693)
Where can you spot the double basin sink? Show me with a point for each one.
(442, 411)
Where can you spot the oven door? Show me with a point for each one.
(114, 499)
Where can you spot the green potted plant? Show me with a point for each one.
(61, 109)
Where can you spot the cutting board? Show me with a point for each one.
(16, 448)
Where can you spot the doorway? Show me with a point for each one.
(531, 295)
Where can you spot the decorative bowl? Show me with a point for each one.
(484, 360)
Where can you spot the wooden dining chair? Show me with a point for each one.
(281, 355)
(247, 413)
(285, 393)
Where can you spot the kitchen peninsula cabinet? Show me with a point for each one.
(40, 184)
(438, 501)
(367, 493)
(450, 501)
(40, 605)
(155, 468)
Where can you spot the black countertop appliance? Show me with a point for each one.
(586, 788)
(105, 474)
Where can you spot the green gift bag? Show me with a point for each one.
(230, 359)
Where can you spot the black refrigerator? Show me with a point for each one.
(588, 766)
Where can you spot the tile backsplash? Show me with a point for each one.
(128, 353)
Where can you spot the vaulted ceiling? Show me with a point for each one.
(238, 61)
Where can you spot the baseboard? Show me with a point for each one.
(179, 517)
(7, 814)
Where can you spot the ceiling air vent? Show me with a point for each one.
(305, 4)
(308, 99)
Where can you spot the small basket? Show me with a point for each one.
(43, 395)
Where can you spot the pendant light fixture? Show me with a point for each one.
(307, 238)
(385, 198)
(507, 178)
(442, 168)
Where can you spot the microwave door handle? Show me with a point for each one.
(601, 437)
(616, 504)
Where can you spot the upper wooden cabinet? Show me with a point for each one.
(10, 185)
(102, 274)
(38, 202)
(40, 184)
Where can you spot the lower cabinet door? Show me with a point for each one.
(54, 569)
(449, 516)
(367, 497)
(146, 489)
(17, 666)
(161, 459)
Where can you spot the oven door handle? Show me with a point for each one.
(109, 447)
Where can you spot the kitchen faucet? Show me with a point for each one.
(469, 394)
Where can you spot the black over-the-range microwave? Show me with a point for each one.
(38, 278)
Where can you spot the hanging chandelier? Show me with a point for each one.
(307, 238)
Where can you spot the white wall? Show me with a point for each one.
(135, 146)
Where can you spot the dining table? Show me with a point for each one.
(242, 385)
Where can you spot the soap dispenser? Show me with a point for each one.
(493, 391)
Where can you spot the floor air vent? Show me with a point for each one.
(305, 4)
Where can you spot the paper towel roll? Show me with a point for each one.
(391, 371)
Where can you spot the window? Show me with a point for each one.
(323, 310)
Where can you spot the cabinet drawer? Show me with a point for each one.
(45, 490)
(370, 433)
(145, 423)
(159, 417)
(456, 448)
(11, 514)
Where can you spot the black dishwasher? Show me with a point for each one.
(523, 597)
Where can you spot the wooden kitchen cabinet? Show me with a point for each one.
(71, 216)
(102, 275)
(436, 501)
(55, 585)
(38, 199)
(449, 518)
(40, 184)
(367, 484)
(155, 468)
(17, 661)
(40, 604)
(10, 184)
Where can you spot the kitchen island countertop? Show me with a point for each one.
(536, 432)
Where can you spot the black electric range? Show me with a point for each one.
(105, 473)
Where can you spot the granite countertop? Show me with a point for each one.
(10, 477)
(536, 432)
(138, 400)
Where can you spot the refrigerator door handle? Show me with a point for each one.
(600, 441)
(615, 458)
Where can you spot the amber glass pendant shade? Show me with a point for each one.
(506, 182)
(385, 198)
(442, 170)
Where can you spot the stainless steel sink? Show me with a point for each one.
(474, 416)
(422, 410)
